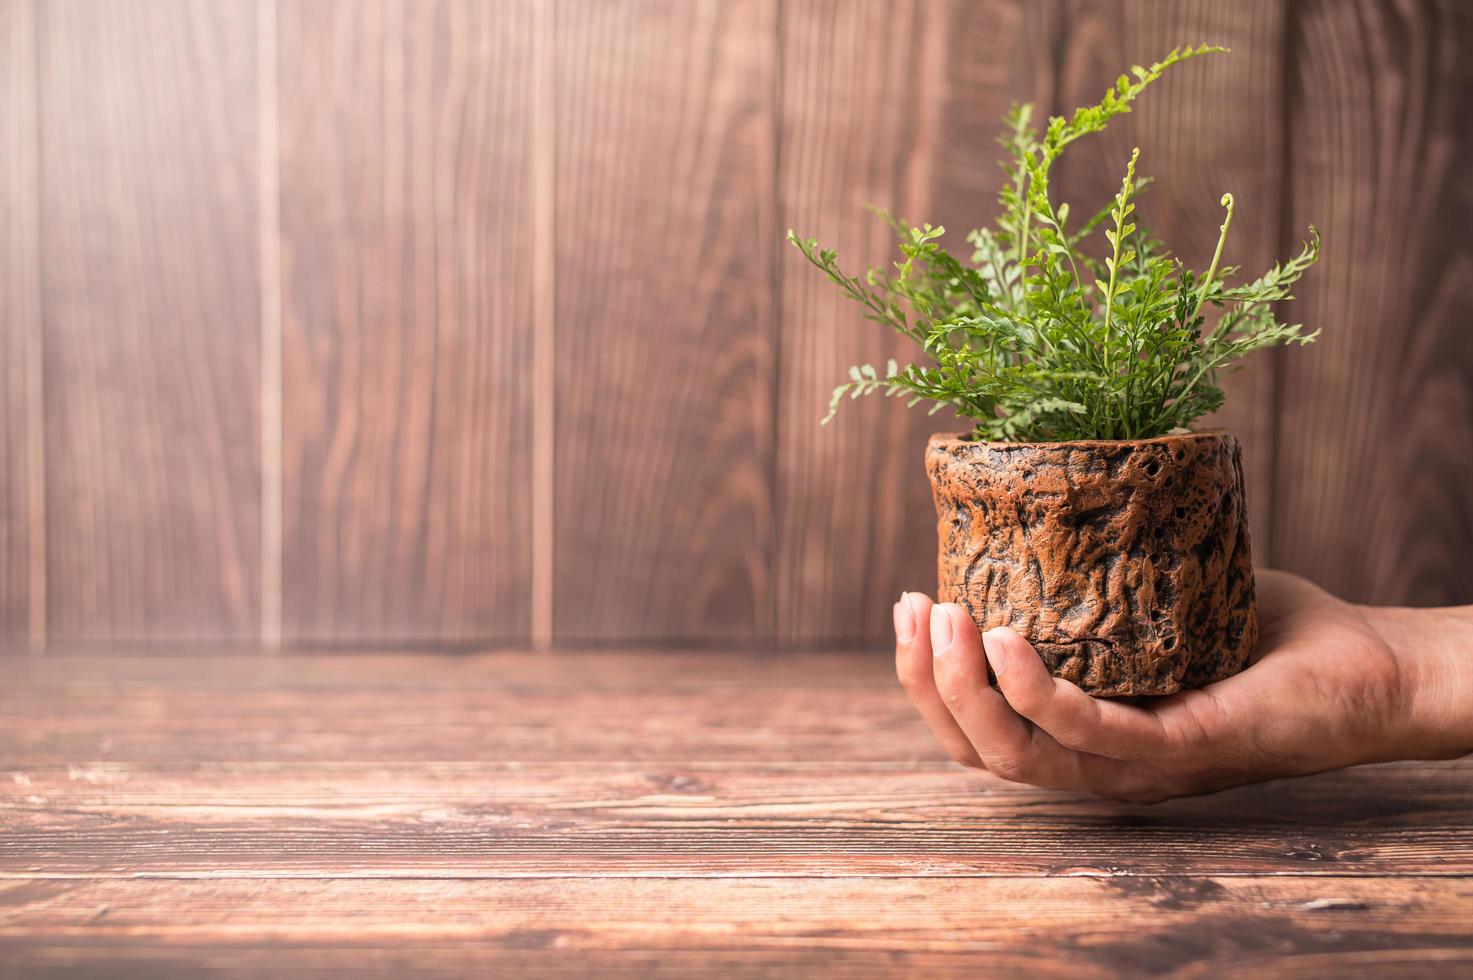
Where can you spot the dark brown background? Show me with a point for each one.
(470, 322)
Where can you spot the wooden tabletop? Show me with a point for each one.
(655, 814)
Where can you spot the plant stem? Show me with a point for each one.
(1227, 202)
(1122, 202)
(1023, 235)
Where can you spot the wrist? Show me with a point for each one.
(1434, 652)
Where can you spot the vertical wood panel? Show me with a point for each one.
(664, 241)
(691, 494)
(406, 319)
(22, 529)
(268, 241)
(894, 105)
(1376, 456)
(1208, 126)
(148, 114)
(544, 322)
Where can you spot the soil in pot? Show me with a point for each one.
(1126, 564)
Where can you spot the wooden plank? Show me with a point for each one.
(22, 497)
(151, 330)
(673, 819)
(664, 242)
(701, 763)
(1377, 420)
(920, 791)
(517, 706)
(268, 243)
(635, 813)
(387, 958)
(893, 105)
(406, 216)
(1060, 927)
(1208, 127)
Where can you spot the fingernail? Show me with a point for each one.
(940, 629)
(997, 654)
(905, 621)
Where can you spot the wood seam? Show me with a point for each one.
(808, 876)
(36, 539)
(1284, 241)
(542, 153)
(766, 627)
(269, 213)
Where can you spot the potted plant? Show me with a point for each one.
(1082, 508)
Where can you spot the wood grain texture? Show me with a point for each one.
(544, 355)
(151, 331)
(683, 819)
(673, 815)
(406, 319)
(268, 244)
(1377, 421)
(893, 105)
(665, 243)
(663, 764)
(22, 500)
(1209, 126)
(1058, 928)
(503, 706)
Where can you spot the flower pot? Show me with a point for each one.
(1125, 564)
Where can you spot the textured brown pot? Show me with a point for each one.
(1126, 564)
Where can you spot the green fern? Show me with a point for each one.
(1038, 339)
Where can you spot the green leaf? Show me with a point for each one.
(1045, 334)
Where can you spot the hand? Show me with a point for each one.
(1331, 684)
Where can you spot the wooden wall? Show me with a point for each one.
(445, 321)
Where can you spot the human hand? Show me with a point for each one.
(1331, 684)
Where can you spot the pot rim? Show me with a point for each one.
(952, 439)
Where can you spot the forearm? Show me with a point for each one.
(1435, 650)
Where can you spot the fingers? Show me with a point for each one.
(913, 667)
(1008, 745)
(1034, 729)
(1073, 718)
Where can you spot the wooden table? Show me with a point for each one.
(683, 814)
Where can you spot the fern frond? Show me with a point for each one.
(1042, 336)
